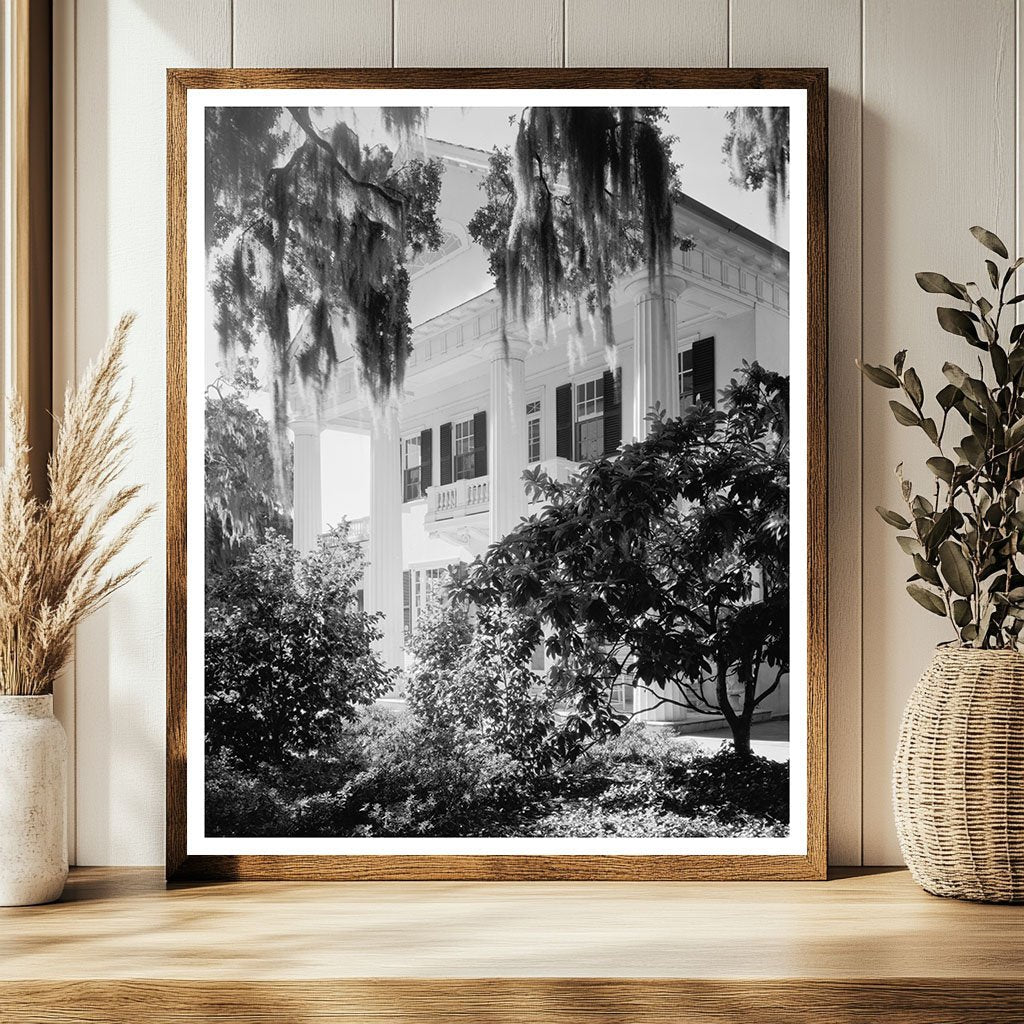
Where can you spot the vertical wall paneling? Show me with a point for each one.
(312, 33)
(791, 33)
(122, 52)
(939, 156)
(646, 33)
(64, 259)
(468, 33)
(926, 125)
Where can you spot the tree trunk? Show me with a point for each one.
(741, 736)
(738, 723)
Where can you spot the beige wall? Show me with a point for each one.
(924, 143)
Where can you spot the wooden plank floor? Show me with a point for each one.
(866, 946)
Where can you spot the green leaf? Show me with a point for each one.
(1012, 269)
(956, 321)
(928, 426)
(880, 375)
(903, 415)
(942, 467)
(893, 518)
(899, 359)
(1015, 434)
(912, 385)
(956, 570)
(990, 241)
(939, 284)
(954, 375)
(910, 545)
(961, 612)
(1000, 364)
(993, 273)
(984, 306)
(969, 633)
(940, 529)
(947, 397)
(926, 571)
(926, 598)
(922, 506)
(972, 450)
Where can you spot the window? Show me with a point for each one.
(590, 420)
(533, 433)
(411, 461)
(686, 393)
(465, 451)
(590, 399)
(424, 591)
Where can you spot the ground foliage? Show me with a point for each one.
(392, 775)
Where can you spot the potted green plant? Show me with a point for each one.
(958, 782)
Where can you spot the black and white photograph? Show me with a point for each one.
(502, 480)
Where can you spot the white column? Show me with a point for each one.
(383, 589)
(655, 374)
(307, 504)
(506, 438)
(655, 382)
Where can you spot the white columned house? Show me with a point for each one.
(384, 558)
(507, 434)
(307, 508)
(446, 466)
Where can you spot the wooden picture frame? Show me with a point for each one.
(809, 864)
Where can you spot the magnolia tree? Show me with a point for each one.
(665, 568)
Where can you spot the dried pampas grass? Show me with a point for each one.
(56, 557)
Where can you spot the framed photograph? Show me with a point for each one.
(496, 474)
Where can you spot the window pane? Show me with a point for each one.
(411, 453)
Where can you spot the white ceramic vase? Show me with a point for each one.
(33, 802)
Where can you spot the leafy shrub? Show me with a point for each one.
(731, 786)
(581, 822)
(239, 803)
(288, 658)
(388, 775)
(475, 676)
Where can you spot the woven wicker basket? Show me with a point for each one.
(958, 777)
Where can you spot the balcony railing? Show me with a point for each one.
(467, 497)
(359, 529)
(461, 498)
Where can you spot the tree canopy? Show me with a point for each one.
(309, 232)
(241, 505)
(757, 148)
(665, 568)
(584, 195)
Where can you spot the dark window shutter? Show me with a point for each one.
(480, 444)
(704, 370)
(446, 453)
(612, 410)
(426, 460)
(407, 599)
(563, 421)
